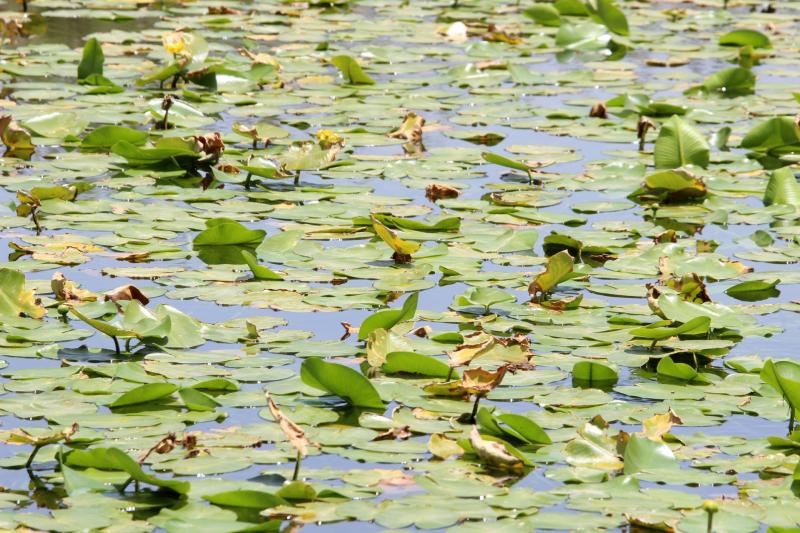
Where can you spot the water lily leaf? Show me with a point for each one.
(484, 297)
(503, 161)
(226, 231)
(544, 14)
(104, 137)
(249, 499)
(414, 363)
(105, 327)
(593, 373)
(608, 13)
(729, 83)
(583, 37)
(693, 326)
(782, 188)
(745, 37)
(388, 318)
(351, 70)
(15, 299)
(21, 436)
(17, 140)
(495, 454)
(510, 425)
(145, 393)
(473, 345)
(772, 133)
(92, 60)
(402, 248)
(340, 381)
(680, 144)
(784, 377)
(643, 454)
(444, 448)
(116, 459)
(167, 150)
(480, 381)
(559, 267)
(671, 186)
(194, 400)
(677, 371)
(259, 271)
(593, 449)
(57, 124)
(674, 308)
(753, 291)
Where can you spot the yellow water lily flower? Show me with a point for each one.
(328, 138)
(174, 42)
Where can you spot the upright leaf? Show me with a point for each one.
(680, 144)
(351, 70)
(388, 318)
(92, 59)
(782, 188)
(341, 381)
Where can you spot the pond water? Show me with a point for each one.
(558, 264)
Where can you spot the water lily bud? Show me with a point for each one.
(63, 309)
(710, 506)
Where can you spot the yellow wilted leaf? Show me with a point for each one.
(494, 454)
(67, 291)
(442, 447)
(480, 381)
(403, 249)
(475, 345)
(20, 436)
(656, 426)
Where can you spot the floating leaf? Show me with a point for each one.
(745, 37)
(116, 459)
(592, 373)
(145, 393)
(544, 14)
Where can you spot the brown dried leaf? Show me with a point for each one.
(599, 110)
(67, 291)
(437, 191)
(348, 330)
(126, 292)
(480, 381)
(410, 129)
(401, 433)
(297, 437)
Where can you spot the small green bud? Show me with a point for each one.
(63, 309)
(710, 506)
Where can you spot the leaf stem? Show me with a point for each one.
(116, 345)
(36, 222)
(32, 456)
(296, 466)
(475, 409)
